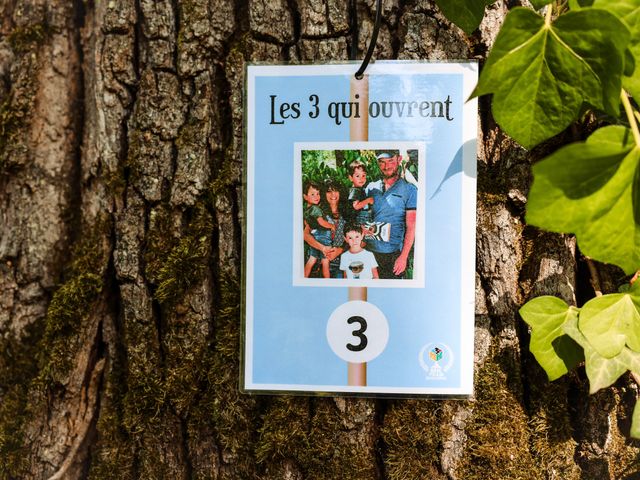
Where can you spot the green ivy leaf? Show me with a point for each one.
(632, 289)
(538, 4)
(629, 66)
(629, 12)
(554, 350)
(601, 371)
(587, 188)
(598, 28)
(635, 421)
(466, 14)
(610, 322)
(540, 74)
(577, 4)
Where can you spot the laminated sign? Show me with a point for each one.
(360, 229)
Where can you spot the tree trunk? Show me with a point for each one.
(120, 250)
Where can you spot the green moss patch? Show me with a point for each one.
(65, 314)
(188, 362)
(498, 441)
(227, 174)
(11, 119)
(18, 367)
(313, 435)
(44, 356)
(14, 111)
(284, 431)
(341, 442)
(176, 265)
(411, 433)
(16, 108)
(114, 455)
(23, 38)
(234, 415)
(623, 452)
(551, 432)
(73, 302)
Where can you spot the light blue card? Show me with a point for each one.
(360, 229)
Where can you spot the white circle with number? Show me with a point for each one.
(357, 331)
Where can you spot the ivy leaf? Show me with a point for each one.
(610, 322)
(587, 188)
(554, 350)
(635, 421)
(577, 4)
(538, 4)
(466, 14)
(629, 12)
(629, 66)
(598, 28)
(601, 371)
(541, 74)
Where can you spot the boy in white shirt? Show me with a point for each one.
(357, 262)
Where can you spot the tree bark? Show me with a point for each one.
(120, 250)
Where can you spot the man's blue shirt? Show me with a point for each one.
(391, 206)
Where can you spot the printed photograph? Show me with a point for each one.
(359, 213)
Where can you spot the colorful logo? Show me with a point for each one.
(435, 354)
(438, 361)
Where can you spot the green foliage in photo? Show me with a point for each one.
(323, 166)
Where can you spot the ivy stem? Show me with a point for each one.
(630, 115)
(635, 277)
(635, 376)
(595, 278)
(547, 18)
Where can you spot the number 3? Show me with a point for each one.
(315, 99)
(358, 333)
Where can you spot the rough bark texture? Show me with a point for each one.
(120, 245)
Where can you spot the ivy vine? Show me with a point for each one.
(546, 70)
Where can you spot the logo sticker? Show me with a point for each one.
(436, 359)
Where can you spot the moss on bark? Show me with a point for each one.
(16, 108)
(18, 367)
(411, 433)
(176, 263)
(342, 440)
(33, 364)
(499, 441)
(551, 431)
(187, 261)
(73, 302)
(234, 415)
(24, 38)
(313, 437)
(113, 455)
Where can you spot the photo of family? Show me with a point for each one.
(359, 212)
